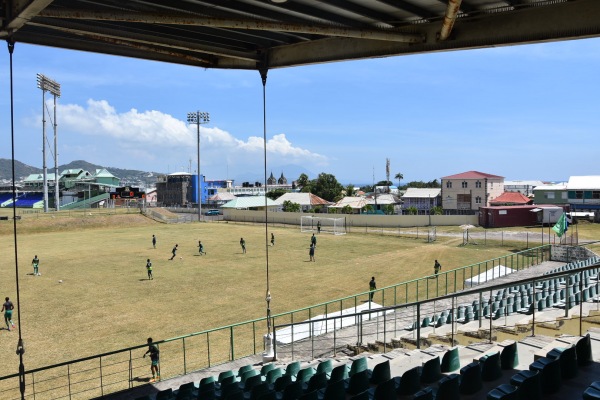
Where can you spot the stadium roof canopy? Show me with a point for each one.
(266, 34)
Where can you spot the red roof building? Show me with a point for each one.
(468, 191)
(511, 199)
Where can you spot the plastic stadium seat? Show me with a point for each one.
(358, 383)
(225, 374)
(186, 391)
(591, 394)
(166, 394)
(385, 390)
(250, 382)
(282, 382)
(207, 380)
(409, 382)
(309, 396)
(568, 361)
(334, 391)
(258, 391)
(431, 371)
(381, 373)
(448, 388)
(266, 368)
(339, 373)
(471, 378)
(509, 357)
(291, 391)
(325, 366)
(584, 350)
(270, 395)
(273, 375)
(292, 369)
(244, 369)
(358, 365)
(361, 396)
(305, 374)
(550, 374)
(503, 392)
(316, 382)
(450, 361)
(425, 394)
(490, 367)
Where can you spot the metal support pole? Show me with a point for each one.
(56, 185)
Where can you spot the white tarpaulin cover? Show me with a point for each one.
(303, 331)
(496, 272)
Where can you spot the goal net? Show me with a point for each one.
(336, 226)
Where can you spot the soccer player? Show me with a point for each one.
(153, 241)
(311, 252)
(149, 269)
(35, 264)
(174, 251)
(201, 248)
(318, 226)
(313, 240)
(272, 239)
(243, 244)
(372, 287)
(437, 267)
(8, 308)
(154, 354)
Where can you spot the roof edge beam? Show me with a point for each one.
(154, 18)
(22, 11)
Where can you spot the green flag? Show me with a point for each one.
(561, 225)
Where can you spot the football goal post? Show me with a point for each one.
(336, 226)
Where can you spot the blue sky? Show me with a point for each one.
(522, 112)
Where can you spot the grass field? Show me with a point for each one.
(105, 301)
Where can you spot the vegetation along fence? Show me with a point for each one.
(122, 369)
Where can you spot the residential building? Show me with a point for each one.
(256, 203)
(551, 194)
(511, 199)
(467, 191)
(307, 201)
(524, 187)
(584, 193)
(423, 199)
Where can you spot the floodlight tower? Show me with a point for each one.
(47, 84)
(199, 118)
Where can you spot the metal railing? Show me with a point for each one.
(123, 369)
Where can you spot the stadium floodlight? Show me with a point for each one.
(46, 84)
(198, 118)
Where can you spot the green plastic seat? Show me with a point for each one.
(503, 392)
(450, 360)
(448, 388)
(273, 375)
(166, 394)
(225, 374)
(270, 395)
(361, 396)
(490, 367)
(259, 390)
(305, 374)
(282, 382)
(292, 369)
(550, 373)
(266, 368)
(385, 390)
(425, 394)
(358, 365)
(339, 373)
(509, 357)
(309, 396)
(206, 381)
(244, 369)
(250, 382)
(325, 366)
(207, 395)
(291, 391)
(431, 371)
(358, 383)
(316, 382)
(381, 373)
(409, 382)
(470, 382)
(584, 350)
(335, 391)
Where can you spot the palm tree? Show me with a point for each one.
(399, 176)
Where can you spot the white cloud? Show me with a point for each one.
(155, 137)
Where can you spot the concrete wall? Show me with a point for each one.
(570, 253)
(384, 221)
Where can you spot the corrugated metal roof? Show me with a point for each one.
(551, 187)
(590, 182)
(421, 193)
(249, 202)
(354, 202)
(263, 34)
(304, 199)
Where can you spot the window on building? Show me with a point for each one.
(549, 195)
(449, 185)
(595, 194)
(477, 200)
(579, 194)
(464, 185)
(565, 195)
(478, 184)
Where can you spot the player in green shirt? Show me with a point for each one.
(35, 264)
(154, 355)
(149, 269)
(243, 244)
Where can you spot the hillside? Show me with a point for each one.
(23, 170)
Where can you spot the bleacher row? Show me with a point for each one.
(558, 293)
(23, 200)
(434, 379)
